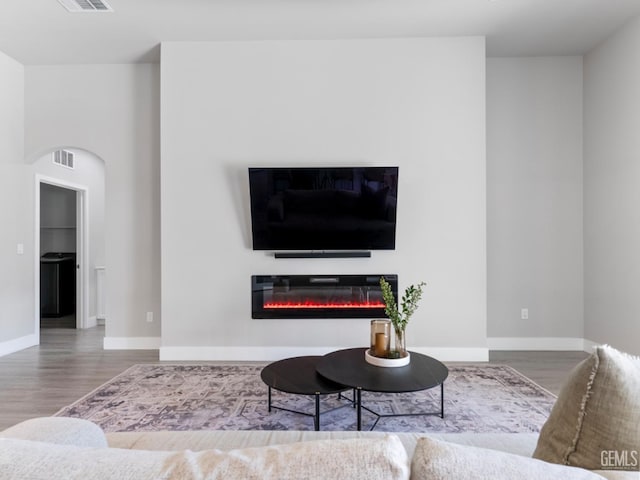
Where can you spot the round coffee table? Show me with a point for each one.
(348, 367)
(298, 375)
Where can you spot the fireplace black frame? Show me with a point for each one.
(344, 296)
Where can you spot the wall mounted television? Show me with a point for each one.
(328, 208)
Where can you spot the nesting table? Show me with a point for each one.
(347, 369)
(298, 375)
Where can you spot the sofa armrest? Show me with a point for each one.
(60, 430)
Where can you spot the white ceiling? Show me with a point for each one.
(42, 32)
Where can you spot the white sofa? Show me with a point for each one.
(58, 447)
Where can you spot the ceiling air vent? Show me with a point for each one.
(63, 158)
(79, 6)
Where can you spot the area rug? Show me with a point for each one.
(478, 398)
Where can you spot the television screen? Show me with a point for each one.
(342, 208)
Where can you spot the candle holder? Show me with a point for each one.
(379, 353)
(380, 337)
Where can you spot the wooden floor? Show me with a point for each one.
(67, 321)
(70, 363)
(66, 365)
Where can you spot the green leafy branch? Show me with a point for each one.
(409, 304)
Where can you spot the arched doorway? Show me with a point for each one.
(69, 238)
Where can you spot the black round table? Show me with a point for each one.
(298, 375)
(349, 367)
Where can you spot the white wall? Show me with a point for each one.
(89, 172)
(534, 202)
(11, 110)
(112, 111)
(17, 300)
(416, 103)
(612, 190)
(17, 304)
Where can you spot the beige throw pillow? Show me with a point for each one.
(438, 460)
(595, 422)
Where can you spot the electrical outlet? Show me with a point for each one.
(524, 314)
(20, 249)
(149, 317)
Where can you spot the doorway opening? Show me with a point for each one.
(58, 252)
(62, 250)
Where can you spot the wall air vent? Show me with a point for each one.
(81, 6)
(63, 158)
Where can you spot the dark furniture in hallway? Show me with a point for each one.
(57, 284)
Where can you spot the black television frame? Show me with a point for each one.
(350, 210)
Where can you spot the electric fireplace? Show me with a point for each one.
(318, 296)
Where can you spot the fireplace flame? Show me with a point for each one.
(312, 304)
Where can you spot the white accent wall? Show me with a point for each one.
(612, 190)
(17, 303)
(415, 103)
(534, 202)
(112, 111)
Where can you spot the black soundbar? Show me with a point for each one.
(358, 254)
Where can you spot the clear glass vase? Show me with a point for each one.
(400, 342)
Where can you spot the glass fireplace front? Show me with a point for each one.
(318, 296)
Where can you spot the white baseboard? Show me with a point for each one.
(278, 353)
(17, 344)
(538, 343)
(131, 343)
(589, 346)
(91, 322)
(455, 354)
(446, 354)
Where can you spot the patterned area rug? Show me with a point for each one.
(478, 398)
